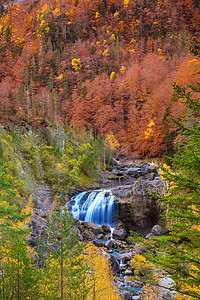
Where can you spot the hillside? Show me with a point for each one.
(105, 64)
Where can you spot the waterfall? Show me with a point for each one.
(98, 207)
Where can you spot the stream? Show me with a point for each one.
(100, 207)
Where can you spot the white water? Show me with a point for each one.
(98, 207)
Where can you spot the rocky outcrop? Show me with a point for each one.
(132, 186)
(126, 174)
(138, 209)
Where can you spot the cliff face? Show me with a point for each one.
(138, 209)
(132, 186)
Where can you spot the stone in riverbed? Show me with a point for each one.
(120, 232)
(106, 228)
(128, 272)
(109, 244)
(126, 255)
(114, 264)
(94, 228)
(100, 236)
(98, 243)
(88, 235)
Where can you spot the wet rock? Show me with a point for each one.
(106, 228)
(109, 244)
(114, 264)
(127, 255)
(133, 283)
(98, 243)
(137, 208)
(100, 236)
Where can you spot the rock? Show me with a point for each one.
(135, 172)
(157, 230)
(133, 283)
(98, 243)
(127, 296)
(137, 208)
(120, 232)
(94, 228)
(43, 214)
(126, 256)
(106, 228)
(114, 264)
(110, 251)
(88, 235)
(100, 236)
(128, 272)
(109, 244)
(149, 235)
(32, 242)
(165, 293)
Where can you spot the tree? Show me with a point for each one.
(63, 271)
(182, 248)
(99, 277)
(19, 277)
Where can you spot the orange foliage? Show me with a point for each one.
(129, 52)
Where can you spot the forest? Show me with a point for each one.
(83, 84)
(104, 64)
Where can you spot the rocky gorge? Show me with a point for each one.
(130, 187)
(134, 187)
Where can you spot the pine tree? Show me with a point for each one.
(181, 256)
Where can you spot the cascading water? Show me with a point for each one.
(99, 207)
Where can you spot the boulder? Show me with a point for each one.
(96, 229)
(120, 232)
(100, 236)
(98, 243)
(114, 264)
(106, 228)
(165, 293)
(128, 272)
(149, 235)
(109, 244)
(157, 230)
(88, 235)
(126, 255)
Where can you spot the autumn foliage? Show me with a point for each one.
(106, 64)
